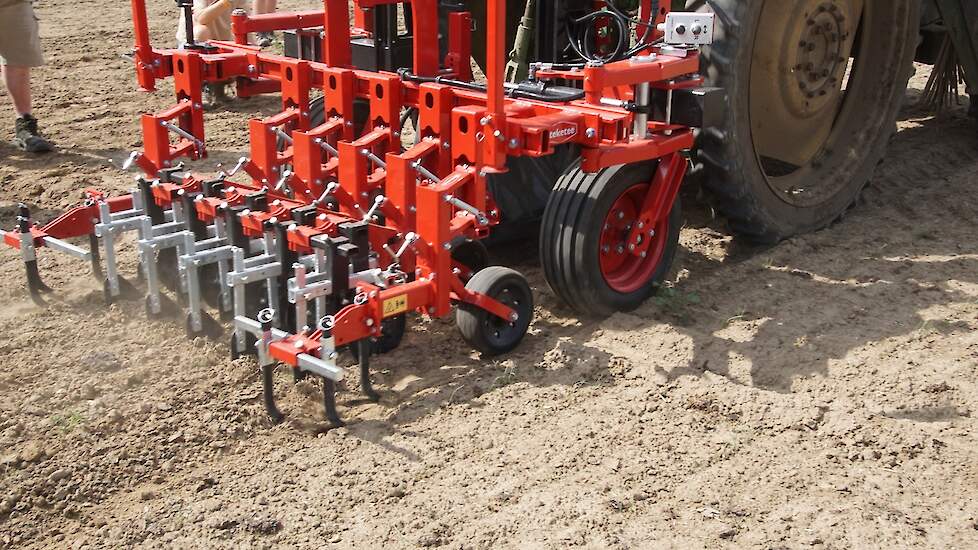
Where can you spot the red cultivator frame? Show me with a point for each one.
(331, 231)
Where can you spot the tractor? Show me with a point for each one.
(812, 87)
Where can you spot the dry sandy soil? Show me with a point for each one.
(818, 393)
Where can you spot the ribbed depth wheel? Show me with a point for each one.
(623, 270)
(584, 239)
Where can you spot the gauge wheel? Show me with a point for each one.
(484, 331)
(584, 234)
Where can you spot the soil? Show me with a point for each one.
(816, 393)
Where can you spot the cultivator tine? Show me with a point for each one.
(268, 393)
(109, 227)
(329, 403)
(265, 318)
(28, 253)
(363, 354)
(34, 283)
(328, 351)
(96, 259)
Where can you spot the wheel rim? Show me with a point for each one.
(622, 270)
(801, 74)
(502, 332)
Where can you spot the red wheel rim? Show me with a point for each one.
(624, 271)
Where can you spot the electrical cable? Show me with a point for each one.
(580, 33)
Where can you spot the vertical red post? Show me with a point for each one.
(307, 158)
(156, 143)
(495, 54)
(434, 226)
(495, 139)
(352, 174)
(336, 39)
(459, 58)
(264, 150)
(144, 50)
(425, 29)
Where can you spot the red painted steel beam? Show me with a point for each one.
(336, 39)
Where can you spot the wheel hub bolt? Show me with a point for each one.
(621, 249)
(621, 215)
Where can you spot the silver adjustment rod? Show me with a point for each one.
(237, 168)
(378, 202)
(462, 205)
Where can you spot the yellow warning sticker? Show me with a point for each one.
(395, 305)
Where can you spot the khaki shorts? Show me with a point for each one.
(20, 45)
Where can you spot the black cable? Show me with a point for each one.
(649, 25)
(581, 42)
(580, 31)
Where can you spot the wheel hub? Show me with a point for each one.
(818, 63)
(798, 70)
(623, 267)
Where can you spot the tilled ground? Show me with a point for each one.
(817, 393)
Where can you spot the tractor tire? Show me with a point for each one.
(813, 88)
(583, 234)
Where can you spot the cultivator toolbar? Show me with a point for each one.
(331, 231)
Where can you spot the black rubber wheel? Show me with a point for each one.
(484, 331)
(813, 91)
(582, 240)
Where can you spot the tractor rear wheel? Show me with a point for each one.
(813, 90)
(583, 239)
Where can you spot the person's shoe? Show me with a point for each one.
(265, 39)
(28, 138)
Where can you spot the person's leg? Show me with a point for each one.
(18, 82)
(20, 49)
